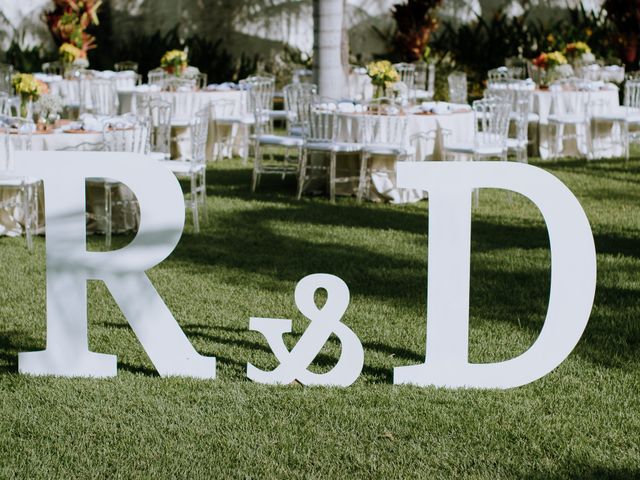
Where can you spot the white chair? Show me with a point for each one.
(424, 144)
(498, 75)
(256, 90)
(158, 77)
(458, 89)
(520, 119)
(159, 113)
(322, 137)
(125, 134)
(104, 97)
(384, 134)
(425, 81)
(223, 133)
(6, 73)
(297, 101)
(491, 125)
(264, 141)
(569, 108)
(53, 68)
(126, 66)
(626, 117)
(407, 73)
(15, 135)
(195, 167)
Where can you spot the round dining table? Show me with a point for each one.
(457, 124)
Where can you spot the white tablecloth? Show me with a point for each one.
(383, 177)
(542, 105)
(185, 105)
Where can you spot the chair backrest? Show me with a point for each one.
(491, 122)
(520, 113)
(407, 73)
(53, 68)
(127, 134)
(457, 87)
(632, 93)
(223, 108)
(15, 134)
(104, 97)
(199, 133)
(297, 100)
(324, 121)
(5, 104)
(157, 77)
(424, 143)
(566, 99)
(425, 77)
(126, 66)
(159, 113)
(302, 75)
(127, 80)
(384, 123)
(259, 98)
(202, 80)
(496, 75)
(6, 73)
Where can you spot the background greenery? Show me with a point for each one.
(581, 421)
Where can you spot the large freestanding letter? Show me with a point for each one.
(573, 273)
(69, 265)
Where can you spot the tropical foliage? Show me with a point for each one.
(70, 20)
(415, 21)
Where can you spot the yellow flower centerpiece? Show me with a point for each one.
(29, 89)
(382, 75)
(70, 54)
(576, 49)
(549, 67)
(174, 62)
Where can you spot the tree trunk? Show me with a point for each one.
(328, 16)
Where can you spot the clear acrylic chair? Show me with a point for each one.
(298, 99)
(15, 135)
(223, 133)
(491, 126)
(53, 68)
(384, 134)
(458, 89)
(194, 168)
(407, 73)
(104, 97)
(626, 118)
(498, 75)
(126, 66)
(264, 141)
(322, 138)
(425, 82)
(159, 113)
(6, 73)
(520, 118)
(569, 108)
(129, 133)
(157, 77)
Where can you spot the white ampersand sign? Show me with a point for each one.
(324, 322)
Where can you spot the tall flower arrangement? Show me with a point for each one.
(382, 75)
(29, 89)
(69, 22)
(415, 21)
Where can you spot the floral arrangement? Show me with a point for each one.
(579, 51)
(69, 22)
(174, 62)
(29, 89)
(69, 53)
(547, 61)
(382, 74)
(49, 106)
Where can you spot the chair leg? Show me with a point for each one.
(203, 190)
(194, 203)
(245, 144)
(26, 201)
(302, 172)
(257, 165)
(364, 160)
(108, 211)
(332, 177)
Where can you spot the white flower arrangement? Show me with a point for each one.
(49, 105)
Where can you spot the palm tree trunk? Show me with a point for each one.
(329, 73)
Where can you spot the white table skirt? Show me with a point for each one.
(602, 134)
(383, 178)
(185, 105)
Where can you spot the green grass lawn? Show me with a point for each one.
(581, 421)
